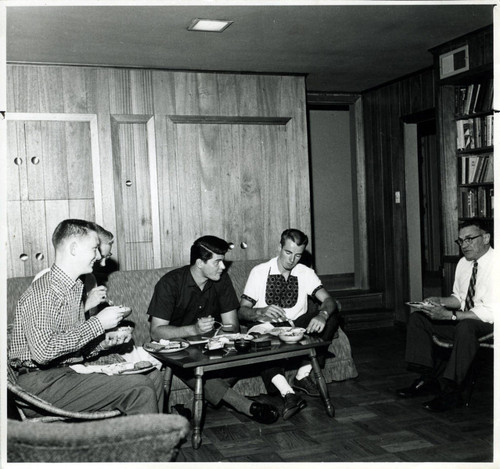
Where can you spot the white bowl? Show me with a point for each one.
(293, 335)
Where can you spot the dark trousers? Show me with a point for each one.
(66, 389)
(213, 388)
(420, 348)
(331, 326)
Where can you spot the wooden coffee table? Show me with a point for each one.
(193, 358)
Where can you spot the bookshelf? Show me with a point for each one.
(463, 70)
(474, 128)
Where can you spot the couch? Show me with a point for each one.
(135, 289)
(133, 438)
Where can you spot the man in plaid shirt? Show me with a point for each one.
(50, 333)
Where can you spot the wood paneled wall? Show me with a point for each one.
(384, 108)
(173, 156)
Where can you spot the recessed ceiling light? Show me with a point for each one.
(212, 26)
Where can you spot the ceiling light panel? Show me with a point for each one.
(212, 26)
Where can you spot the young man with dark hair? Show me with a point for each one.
(462, 317)
(279, 291)
(51, 333)
(187, 301)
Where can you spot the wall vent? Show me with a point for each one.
(454, 62)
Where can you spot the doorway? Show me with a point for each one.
(430, 208)
(338, 198)
(423, 206)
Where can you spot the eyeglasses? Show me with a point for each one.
(467, 240)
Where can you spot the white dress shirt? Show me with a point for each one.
(486, 297)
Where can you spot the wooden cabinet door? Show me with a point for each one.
(231, 181)
(135, 188)
(50, 177)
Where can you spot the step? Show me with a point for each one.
(358, 300)
(363, 309)
(352, 321)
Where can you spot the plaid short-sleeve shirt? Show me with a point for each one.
(49, 324)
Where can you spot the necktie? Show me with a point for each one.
(469, 299)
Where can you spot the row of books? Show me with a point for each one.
(474, 133)
(474, 98)
(476, 202)
(475, 168)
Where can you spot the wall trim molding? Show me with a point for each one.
(201, 119)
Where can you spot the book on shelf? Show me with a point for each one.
(474, 98)
(489, 170)
(491, 202)
(474, 133)
(475, 168)
(468, 98)
(474, 102)
(476, 202)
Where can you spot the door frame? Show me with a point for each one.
(317, 101)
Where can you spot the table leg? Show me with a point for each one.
(320, 379)
(167, 384)
(197, 408)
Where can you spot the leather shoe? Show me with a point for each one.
(293, 404)
(306, 385)
(419, 387)
(264, 413)
(443, 402)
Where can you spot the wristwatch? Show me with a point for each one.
(453, 316)
(325, 313)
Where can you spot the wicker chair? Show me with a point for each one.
(485, 342)
(47, 411)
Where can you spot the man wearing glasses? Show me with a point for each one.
(462, 317)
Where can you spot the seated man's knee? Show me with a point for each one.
(142, 382)
(467, 328)
(418, 319)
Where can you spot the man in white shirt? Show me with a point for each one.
(278, 291)
(463, 317)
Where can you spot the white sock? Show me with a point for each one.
(282, 384)
(303, 371)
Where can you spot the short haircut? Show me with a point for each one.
(71, 227)
(105, 236)
(297, 236)
(205, 247)
(480, 223)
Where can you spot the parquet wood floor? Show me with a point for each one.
(371, 423)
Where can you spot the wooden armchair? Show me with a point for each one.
(47, 412)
